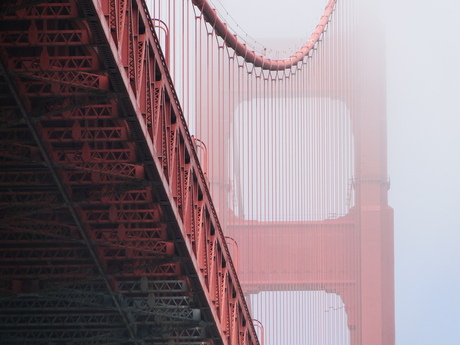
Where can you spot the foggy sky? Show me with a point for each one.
(424, 165)
(423, 93)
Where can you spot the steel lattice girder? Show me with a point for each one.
(158, 286)
(33, 9)
(120, 179)
(10, 199)
(45, 37)
(75, 107)
(64, 311)
(79, 133)
(70, 63)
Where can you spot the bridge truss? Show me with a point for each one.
(108, 234)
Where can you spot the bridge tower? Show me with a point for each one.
(348, 254)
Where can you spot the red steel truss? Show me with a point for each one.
(107, 233)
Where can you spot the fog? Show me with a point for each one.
(424, 151)
(423, 92)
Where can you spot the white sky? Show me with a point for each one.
(424, 156)
(423, 89)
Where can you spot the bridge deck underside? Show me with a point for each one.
(92, 250)
(85, 252)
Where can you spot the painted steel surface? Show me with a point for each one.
(108, 234)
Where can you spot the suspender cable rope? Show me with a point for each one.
(279, 135)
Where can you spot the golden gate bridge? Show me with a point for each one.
(163, 182)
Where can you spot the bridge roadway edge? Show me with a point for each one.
(173, 213)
